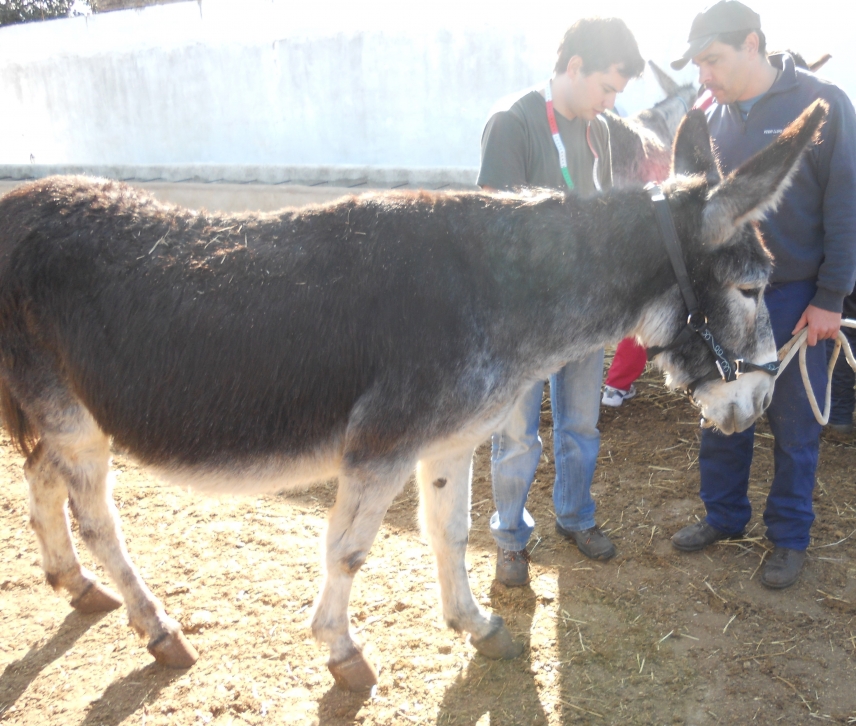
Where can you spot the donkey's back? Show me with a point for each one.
(197, 340)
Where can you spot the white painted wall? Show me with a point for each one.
(328, 83)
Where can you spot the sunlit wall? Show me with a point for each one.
(361, 83)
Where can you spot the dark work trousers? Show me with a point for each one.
(843, 381)
(724, 461)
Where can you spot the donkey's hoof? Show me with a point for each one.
(497, 644)
(96, 599)
(173, 650)
(354, 673)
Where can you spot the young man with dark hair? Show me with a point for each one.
(554, 137)
(812, 236)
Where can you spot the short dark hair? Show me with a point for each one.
(736, 39)
(601, 42)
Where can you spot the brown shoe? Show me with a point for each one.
(512, 567)
(695, 537)
(593, 543)
(783, 568)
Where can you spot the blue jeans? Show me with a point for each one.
(843, 400)
(724, 461)
(575, 400)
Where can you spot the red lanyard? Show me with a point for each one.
(557, 140)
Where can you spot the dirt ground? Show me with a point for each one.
(653, 637)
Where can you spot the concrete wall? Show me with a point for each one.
(369, 83)
(327, 83)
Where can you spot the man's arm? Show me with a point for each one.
(503, 153)
(836, 157)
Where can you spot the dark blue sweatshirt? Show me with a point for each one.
(812, 234)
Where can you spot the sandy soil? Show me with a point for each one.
(653, 637)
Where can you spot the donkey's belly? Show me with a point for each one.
(257, 476)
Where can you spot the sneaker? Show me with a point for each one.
(614, 397)
(697, 536)
(512, 567)
(783, 568)
(593, 543)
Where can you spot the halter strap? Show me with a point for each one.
(673, 249)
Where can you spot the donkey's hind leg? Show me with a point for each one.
(49, 520)
(80, 450)
(365, 493)
(445, 512)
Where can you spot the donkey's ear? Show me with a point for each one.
(755, 188)
(819, 63)
(693, 153)
(667, 83)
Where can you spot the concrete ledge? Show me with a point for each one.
(182, 185)
(343, 175)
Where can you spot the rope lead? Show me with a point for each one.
(798, 343)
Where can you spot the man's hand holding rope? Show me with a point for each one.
(822, 324)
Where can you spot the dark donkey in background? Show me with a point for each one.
(642, 143)
(360, 339)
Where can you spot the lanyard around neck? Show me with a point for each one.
(557, 140)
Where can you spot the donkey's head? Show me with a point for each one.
(679, 98)
(728, 265)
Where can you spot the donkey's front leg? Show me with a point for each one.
(445, 488)
(364, 495)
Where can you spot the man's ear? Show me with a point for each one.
(575, 65)
(750, 45)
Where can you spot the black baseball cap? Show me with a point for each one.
(726, 16)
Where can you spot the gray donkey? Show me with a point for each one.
(360, 339)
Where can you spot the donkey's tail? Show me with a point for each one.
(16, 209)
(23, 434)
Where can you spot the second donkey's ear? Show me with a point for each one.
(693, 153)
(755, 188)
(667, 83)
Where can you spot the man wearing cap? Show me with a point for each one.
(553, 136)
(812, 237)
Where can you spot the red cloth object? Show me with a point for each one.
(627, 365)
(704, 101)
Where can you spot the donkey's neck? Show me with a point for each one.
(584, 272)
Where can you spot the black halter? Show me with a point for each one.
(730, 369)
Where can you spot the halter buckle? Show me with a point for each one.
(696, 325)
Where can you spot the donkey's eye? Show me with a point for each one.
(750, 292)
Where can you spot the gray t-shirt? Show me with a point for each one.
(517, 149)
